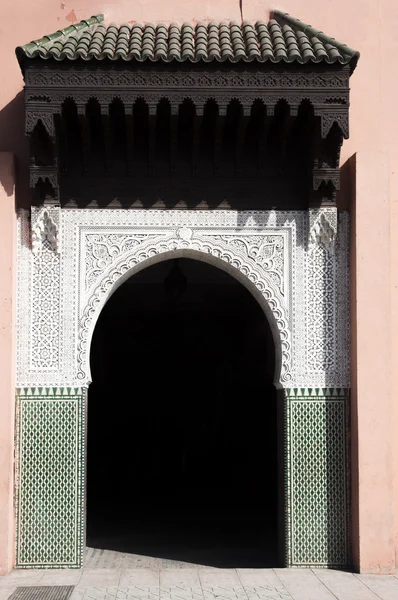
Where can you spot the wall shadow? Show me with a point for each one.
(13, 139)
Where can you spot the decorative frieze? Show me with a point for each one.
(196, 79)
(263, 95)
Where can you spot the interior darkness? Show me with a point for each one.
(182, 446)
(173, 156)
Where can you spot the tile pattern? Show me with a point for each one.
(205, 583)
(317, 472)
(50, 477)
(94, 593)
(282, 39)
(110, 559)
(304, 585)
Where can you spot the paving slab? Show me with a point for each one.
(139, 593)
(5, 593)
(111, 559)
(262, 584)
(302, 584)
(219, 577)
(179, 577)
(181, 592)
(94, 593)
(100, 577)
(146, 578)
(105, 559)
(61, 577)
(20, 577)
(345, 586)
(207, 584)
(384, 586)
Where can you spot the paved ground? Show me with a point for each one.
(208, 584)
(110, 576)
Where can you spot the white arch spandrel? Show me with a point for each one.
(246, 266)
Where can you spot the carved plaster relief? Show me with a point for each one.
(46, 305)
(323, 228)
(268, 250)
(44, 231)
(248, 248)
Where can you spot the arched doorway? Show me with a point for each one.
(182, 427)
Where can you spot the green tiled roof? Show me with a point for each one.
(282, 39)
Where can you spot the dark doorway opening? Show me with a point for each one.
(182, 425)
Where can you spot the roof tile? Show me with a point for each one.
(283, 38)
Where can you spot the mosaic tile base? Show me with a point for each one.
(50, 477)
(317, 477)
(50, 425)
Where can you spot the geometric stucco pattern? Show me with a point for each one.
(305, 286)
(50, 480)
(260, 257)
(320, 287)
(318, 509)
(327, 309)
(45, 338)
(46, 321)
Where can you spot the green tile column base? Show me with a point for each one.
(49, 480)
(50, 484)
(316, 477)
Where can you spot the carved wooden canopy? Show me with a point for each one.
(211, 115)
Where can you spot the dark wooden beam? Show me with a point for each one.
(218, 136)
(197, 123)
(128, 109)
(85, 137)
(173, 138)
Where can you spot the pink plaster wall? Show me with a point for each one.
(372, 426)
(369, 27)
(7, 229)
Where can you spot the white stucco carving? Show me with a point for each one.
(323, 228)
(266, 250)
(44, 232)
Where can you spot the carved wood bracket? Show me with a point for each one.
(322, 90)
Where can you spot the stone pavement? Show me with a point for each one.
(207, 584)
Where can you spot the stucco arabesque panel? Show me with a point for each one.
(260, 253)
(24, 301)
(327, 305)
(100, 247)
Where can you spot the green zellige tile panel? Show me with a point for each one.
(317, 458)
(49, 485)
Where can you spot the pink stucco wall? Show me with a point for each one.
(369, 27)
(7, 230)
(372, 427)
